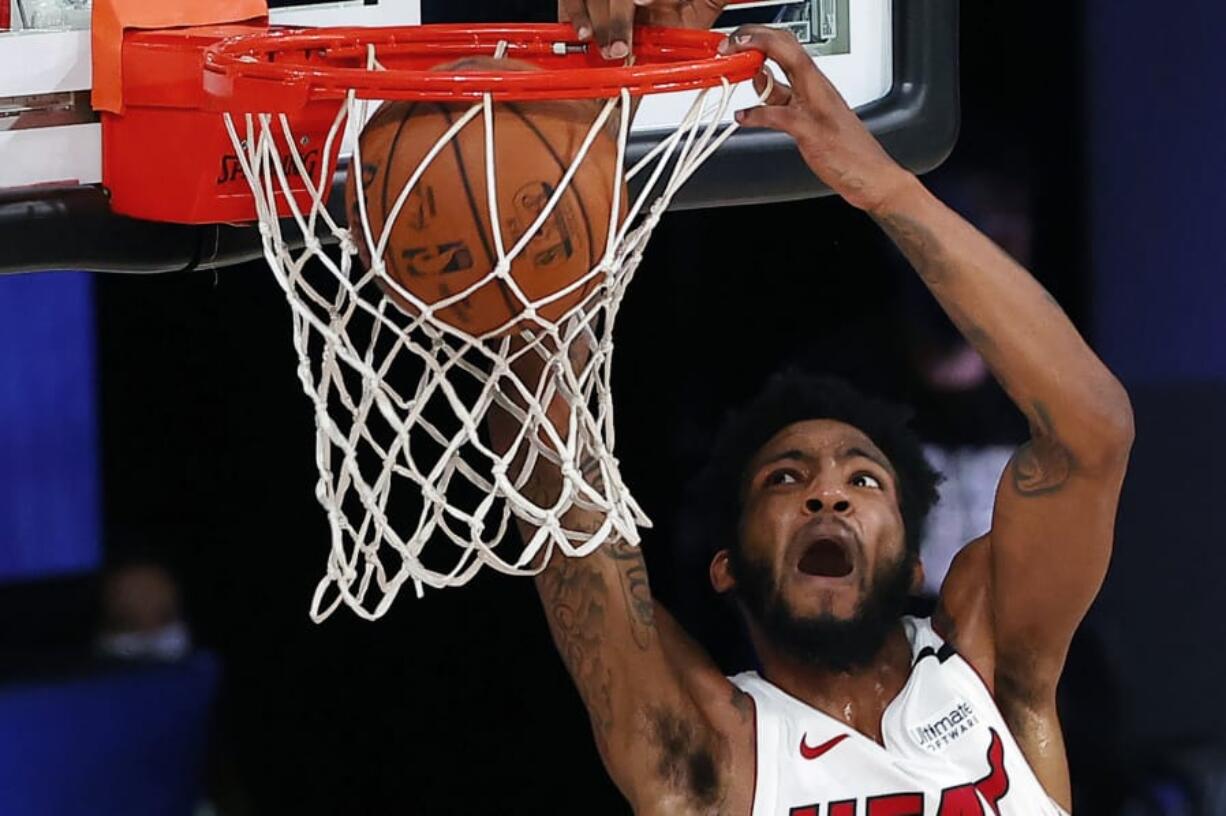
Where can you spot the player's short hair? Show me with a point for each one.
(792, 396)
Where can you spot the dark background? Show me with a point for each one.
(457, 702)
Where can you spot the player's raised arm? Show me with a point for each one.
(1055, 510)
(660, 710)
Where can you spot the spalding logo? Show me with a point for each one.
(232, 170)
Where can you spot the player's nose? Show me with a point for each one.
(829, 499)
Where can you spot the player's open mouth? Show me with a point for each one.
(826, 558)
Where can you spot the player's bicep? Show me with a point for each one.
(654, 740)
(1053, 527)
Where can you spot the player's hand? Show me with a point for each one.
(831, 138)
(610, 23)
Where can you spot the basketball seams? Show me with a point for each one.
(388, 164)
(508, 300)
(468, 190)
(587, 224)
(525, 172)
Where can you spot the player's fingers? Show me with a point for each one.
(777, 44)
(768, 116)
(776, 90)
(616, 42)
(598, 13)
(575, 12)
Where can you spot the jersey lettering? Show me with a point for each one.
(898, 804)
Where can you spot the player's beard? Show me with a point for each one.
(825, 641)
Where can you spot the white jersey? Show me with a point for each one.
(946, 752)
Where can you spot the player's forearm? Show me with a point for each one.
(1065, 391)
(600, 614)
(1025, 337)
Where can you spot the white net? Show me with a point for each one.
(401, 400)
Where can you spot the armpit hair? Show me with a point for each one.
(687, 757)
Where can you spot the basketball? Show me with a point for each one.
(441, 241)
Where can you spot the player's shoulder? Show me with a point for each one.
(963, 617)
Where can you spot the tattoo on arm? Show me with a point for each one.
(923, 250)
(641, 607)
(1043, 465)
(918, 243)
(684, 754)
(575, 595)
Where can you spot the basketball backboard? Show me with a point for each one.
(895, 61)
(48, 132)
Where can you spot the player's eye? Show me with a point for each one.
(783, 476)
(866, 480)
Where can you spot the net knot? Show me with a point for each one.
(348, 246)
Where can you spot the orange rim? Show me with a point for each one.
(285, 68)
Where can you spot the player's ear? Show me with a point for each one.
(720, 571)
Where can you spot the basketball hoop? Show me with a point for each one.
(401, 394)
(284, 68)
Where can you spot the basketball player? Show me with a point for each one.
(859, 710)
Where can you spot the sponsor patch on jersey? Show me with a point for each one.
(942, 729)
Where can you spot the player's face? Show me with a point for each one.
(821, 513)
